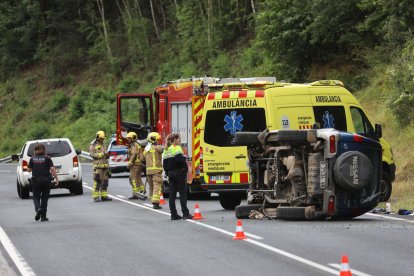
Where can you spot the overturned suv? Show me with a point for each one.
(311, 174)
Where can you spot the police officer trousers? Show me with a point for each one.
(177, 183)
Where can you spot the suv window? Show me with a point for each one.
(53, 148)
(222, 125)
(361, 122)
(330, 117)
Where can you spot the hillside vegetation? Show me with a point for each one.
(62, 62)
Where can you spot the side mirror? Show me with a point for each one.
(15, 157)
(78, 151)
(378, 130)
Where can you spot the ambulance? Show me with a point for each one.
(254, 105)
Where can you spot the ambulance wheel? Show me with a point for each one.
(247, 139)
(230, 200)
(292, 137)
(386, 187)
(243, 211)
(290, 213)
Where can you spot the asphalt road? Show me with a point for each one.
(126, 237)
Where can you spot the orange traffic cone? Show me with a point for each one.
(197, 214)
(345, 269)
(162, 201)
(239, 231)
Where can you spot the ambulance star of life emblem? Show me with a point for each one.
(328, 120)
(233, 122)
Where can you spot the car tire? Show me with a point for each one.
(24, 192)
(77, 188)
(386, 187)
(290, 213)
(243, 211)
(247, 139)
(229, 201)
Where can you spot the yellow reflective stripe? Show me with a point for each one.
(99, 166)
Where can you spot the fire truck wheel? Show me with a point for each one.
(247, 139)
(297, 137)
(290, 213)
(353, 171)
(243, 211)
(230, 200)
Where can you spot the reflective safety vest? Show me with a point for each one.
(98, 153)
(153, 159)
(134, 154)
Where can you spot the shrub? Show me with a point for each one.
(128, 85)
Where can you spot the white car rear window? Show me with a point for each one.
(53, 148)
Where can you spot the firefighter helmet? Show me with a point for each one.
(153, 137)
(100, 134)
(132, 135)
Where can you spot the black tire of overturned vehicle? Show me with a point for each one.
(243, 211)
(247, 139)
(290, 213)
(353, 171)
(297, 137)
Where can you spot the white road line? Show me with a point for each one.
(353, 271)
(257, 243)
(14, 254)
(121, 196)
(387, 217)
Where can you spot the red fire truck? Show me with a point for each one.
(175, 107)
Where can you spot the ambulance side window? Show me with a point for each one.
(330, 117)
(361, 123)
(222, 124)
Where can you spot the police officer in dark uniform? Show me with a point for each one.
(41, 167)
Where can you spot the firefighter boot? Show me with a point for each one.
(156, 206)
(106, 199)
(141, 195)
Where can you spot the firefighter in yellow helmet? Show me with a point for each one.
(152, 157)
(134, 166)
(100, 168)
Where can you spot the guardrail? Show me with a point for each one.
(83, 154)
(6, 159)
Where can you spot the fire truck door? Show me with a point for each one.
(181, 123)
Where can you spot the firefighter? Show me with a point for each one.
(100, 168)
(177, 166)
(152, 157)
(134, 166)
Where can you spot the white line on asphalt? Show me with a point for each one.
(14, 254)
(121, 196)
(353, 271)
(386, 217)
(257, 243)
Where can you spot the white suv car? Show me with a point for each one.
(65, 160)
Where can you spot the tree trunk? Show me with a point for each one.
(102, 13)
(142, 22)
(153, 20)
(252, 3)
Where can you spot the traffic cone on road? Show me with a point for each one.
(239, 231)
(162, 201)
(197, 214)
(345, 269)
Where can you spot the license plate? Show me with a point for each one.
(220, 177)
